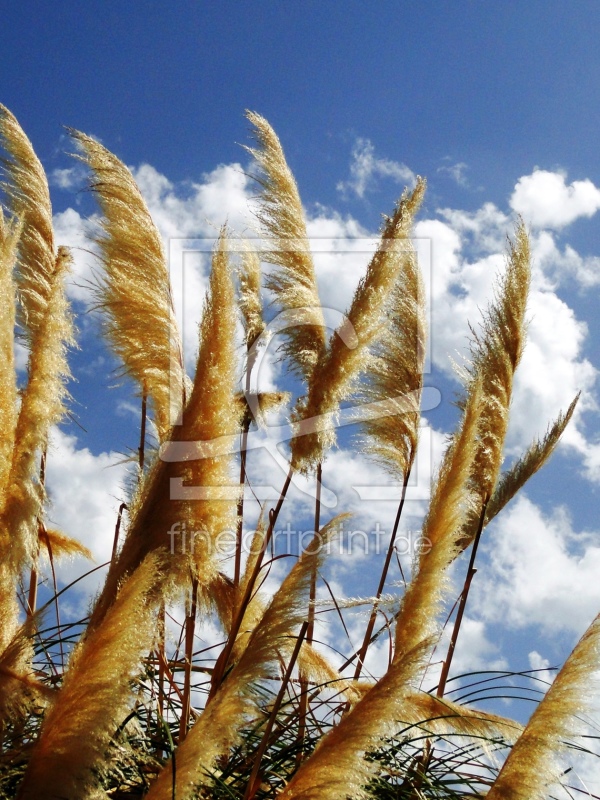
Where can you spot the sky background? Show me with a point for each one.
(497, 106)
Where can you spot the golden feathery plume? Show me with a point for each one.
(395, 372)
(511, 481)
(9, 240)
(67, 758)
(60, 545)
(443, 717)
(255, 549)
(44, 316)
(531, 768)
(417, 619)
(212, 413)
(42, 406)
(258, 602)
(338, 769)
(219, 595)
(250, 298)
(317, 670)
(293, 283)
(496, 353)
(337, 371)
(135, 291)
(189, 526)
(18, 687)
(255, 407)
(9, 607)
(255, 609)
(219, 725)
(29, 199)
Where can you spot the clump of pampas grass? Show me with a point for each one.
(132, 702)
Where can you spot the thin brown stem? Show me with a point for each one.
(142, 447)
(384, 572)
(161, 673)
(462, 604)
(190, 625)
(33, 577)
(240, 505)
(243, 455)
(42, 533)
(303, 711)
(313, 575)
(33, 590)
(253, 783)
(223, 659)
(122, 507)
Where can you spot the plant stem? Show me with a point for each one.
(252, 787)
(141, 448)
(313, 576)
(33, 577)
(462, 604)
(122, 507)
(161, 674)
(190, 624)
(372, 619)
(311, 620)
(221, 663)
(42, 532)
(240, 505)
(251, 358)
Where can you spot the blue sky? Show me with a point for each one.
(497, 105)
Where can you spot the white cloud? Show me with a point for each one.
(486, 228)
(540, 664)
(196, 209)
(342, 250)
(85, 492)
(546, 201)
(562, 266)
(366, 167)
(74, 231)
(71, 178)
(553, 368)
(541, 572)
(475, 649)
(456, 172)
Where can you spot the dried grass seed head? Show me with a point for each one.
(496, 353)
(293, 281)
(135, 291)
(337, 372)
(26, 187)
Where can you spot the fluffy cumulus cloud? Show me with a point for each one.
(73, 230)
(540, 571)
(197, 209)
(467, 260)
(561, 267)
(70, 178)
(545, 200)
(85, 492)
(366, 168)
